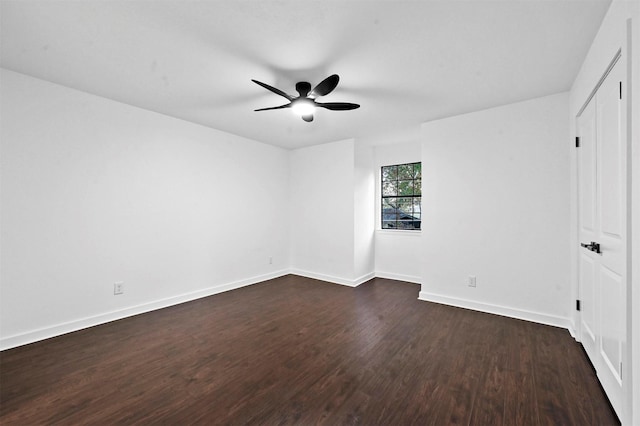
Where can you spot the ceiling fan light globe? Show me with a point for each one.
(302, 107)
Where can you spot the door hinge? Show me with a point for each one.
(620, 90)
(578, 305)
(577, 141)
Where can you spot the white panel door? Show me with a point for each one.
(602, 189)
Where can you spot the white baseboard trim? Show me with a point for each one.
(399, 277)
(333, 279)
(68, 327)
(499, 310)
(322, 277)
(363, 279)
(71, 326)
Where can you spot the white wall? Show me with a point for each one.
(94, 192)
(364, 212)
(620, 29)
(322, 214)
(496, 206)
(398, 253)
(332, 198)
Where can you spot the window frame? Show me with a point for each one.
(414, 180)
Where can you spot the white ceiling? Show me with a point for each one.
(405, 62)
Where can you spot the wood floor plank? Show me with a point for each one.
(300, 351)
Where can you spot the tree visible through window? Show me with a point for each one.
(401, 196)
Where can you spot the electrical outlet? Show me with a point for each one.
(270, 260)
(471, 281)
(118, 288)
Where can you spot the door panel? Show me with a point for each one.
(611, 291)
(609, 157)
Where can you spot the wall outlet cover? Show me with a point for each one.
(472, 281)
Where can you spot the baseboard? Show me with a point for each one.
(499, 310)
(333, 279)
(363, 279)
(71, 326)
(399, 277)
(68, 327)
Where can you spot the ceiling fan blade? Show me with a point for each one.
(308, 118)
(276, 107)
(326, 86)
(273, 89)
(337, 106)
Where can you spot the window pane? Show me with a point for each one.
(405, 187)
(389, 173)
(389, 209)
(405, 205)
(417, 204)
(388, 224)
(417, 186)
(405, 171)
(417, 170)
(408, 224)
(389, 188)
(389, 203)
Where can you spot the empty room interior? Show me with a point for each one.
(320, 212)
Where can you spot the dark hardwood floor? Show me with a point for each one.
(300, 351)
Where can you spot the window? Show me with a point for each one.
(401, 188)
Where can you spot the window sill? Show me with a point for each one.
(402, 232)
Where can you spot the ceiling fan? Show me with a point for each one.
(305, 104)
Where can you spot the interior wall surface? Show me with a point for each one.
(322, 211)
(95, 192)
(496, 208)
(364, 213)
